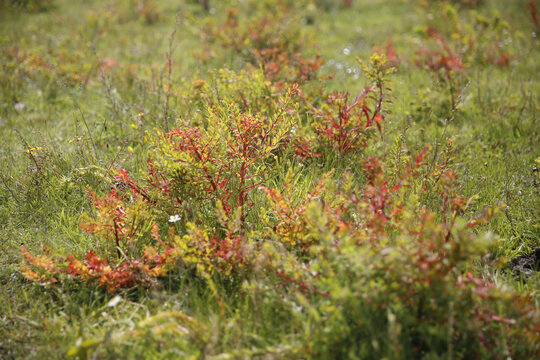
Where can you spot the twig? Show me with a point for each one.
(169, 73)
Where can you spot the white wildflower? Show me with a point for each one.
(114, 301)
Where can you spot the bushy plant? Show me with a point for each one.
(268, 39)
(346, 124)
(381, 278)
(454, 44)
(205, 172)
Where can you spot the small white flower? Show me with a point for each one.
(114, 301)
(174, 218)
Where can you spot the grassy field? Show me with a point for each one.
(252, 181)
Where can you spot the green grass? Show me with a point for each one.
(83, 122)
